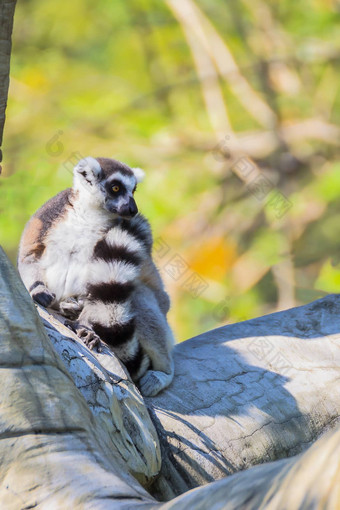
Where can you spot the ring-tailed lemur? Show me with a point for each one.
(87, 253)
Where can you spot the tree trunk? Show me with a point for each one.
(113, 399)
(63, 447)
(6, 24)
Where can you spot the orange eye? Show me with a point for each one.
(115, 188)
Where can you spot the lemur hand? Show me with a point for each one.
(71, 307)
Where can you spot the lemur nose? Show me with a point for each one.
(133, 207)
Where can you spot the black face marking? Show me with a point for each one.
(109, 185)
(111, 292)
(104, 251)
(117, 334)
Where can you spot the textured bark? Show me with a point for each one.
(248, 393)
(306, 482)
(6, 24)
(56, 453)
(112, 397)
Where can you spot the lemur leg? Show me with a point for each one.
(33, 280)
(156, 340)
(86, 334)
(29, 264)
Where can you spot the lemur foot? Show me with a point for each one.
(87, 335)
(71, 307)
(90, 338)
(153, 381)
(41, 295)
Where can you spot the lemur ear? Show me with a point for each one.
(88, 168)
(139, 174)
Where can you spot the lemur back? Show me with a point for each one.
(87, 252)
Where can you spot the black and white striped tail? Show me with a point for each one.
(114, 269)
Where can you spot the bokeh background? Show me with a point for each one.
(232, 110)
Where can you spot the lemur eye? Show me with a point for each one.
(115, 188)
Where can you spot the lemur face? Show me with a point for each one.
(109, 184)
(119, 189)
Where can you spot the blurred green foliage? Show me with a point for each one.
(122, 79)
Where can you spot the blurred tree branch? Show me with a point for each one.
(188, 13)
(7, 8)
(208, 76)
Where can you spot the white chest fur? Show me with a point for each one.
(69, 249)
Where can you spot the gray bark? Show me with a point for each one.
(7, 8)
(112, 398)
(304, 482)
(248, 393)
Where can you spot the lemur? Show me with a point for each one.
(87, 253)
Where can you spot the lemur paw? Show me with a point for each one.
(71, 307)
(87, 335)
(90, 338)
(41, 295)
(153, 382)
